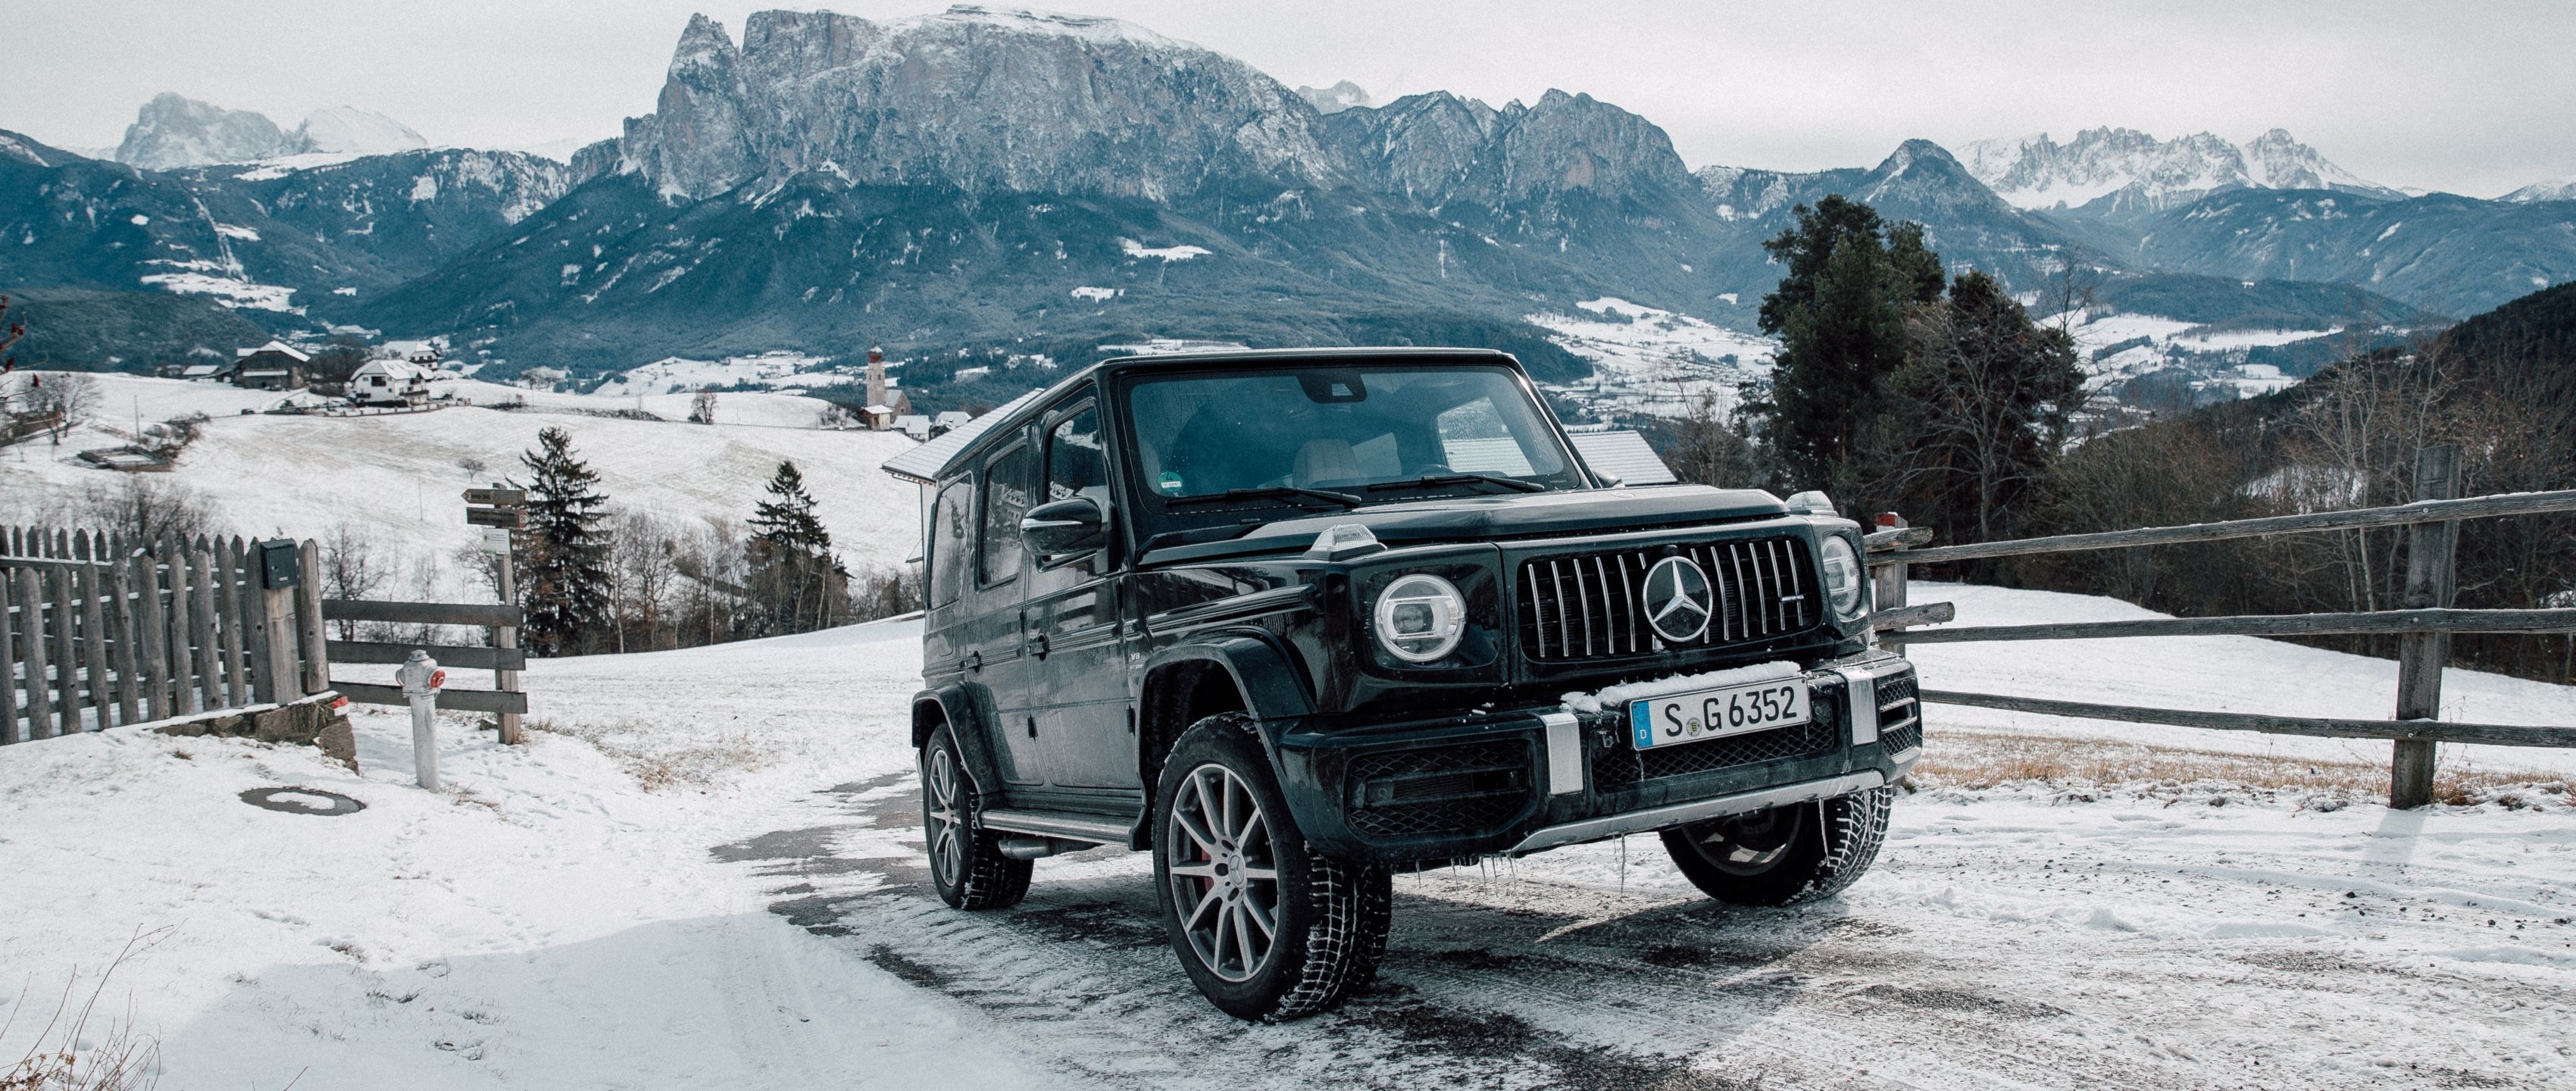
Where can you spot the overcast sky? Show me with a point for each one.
(2460, 95)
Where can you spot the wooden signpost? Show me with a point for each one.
(506, 509)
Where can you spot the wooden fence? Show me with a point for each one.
(2424, 625)
(98, 632)
(504, 658)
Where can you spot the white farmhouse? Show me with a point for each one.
(389, 382)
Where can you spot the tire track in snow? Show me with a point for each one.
(1521, 982)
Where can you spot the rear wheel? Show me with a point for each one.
(1266, 928)
(1784, 855)
(967, 867)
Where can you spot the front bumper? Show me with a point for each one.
(1525, 780)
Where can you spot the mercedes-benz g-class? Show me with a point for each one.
(1293, 621)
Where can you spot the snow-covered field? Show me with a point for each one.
(1654, 361)
(702, 873)
(400, 478)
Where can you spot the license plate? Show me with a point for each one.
(1701, 715)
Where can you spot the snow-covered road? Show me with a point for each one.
(759, 919)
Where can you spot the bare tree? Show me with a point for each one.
(73, 394)
(644, 551)
(351, 569)
(702, 407)
(144, 509)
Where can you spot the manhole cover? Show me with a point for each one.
(302, 801)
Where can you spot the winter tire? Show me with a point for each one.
(1266, 928)
(1785, 855)
(967, 867)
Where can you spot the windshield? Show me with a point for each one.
(1339, 436)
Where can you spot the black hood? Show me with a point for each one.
(1494, 518)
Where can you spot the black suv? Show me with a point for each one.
(1297, 620)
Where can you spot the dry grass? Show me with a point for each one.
(1978, 760)
(66, 1056)
(659, 762)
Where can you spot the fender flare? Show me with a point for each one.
(1266, 673)
(957, 706)
(1273, 688)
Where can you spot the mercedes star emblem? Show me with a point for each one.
(1678, 600)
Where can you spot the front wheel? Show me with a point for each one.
(1784, 855)
(1266, 929)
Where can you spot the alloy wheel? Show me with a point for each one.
(939, 816)
(1224, 872)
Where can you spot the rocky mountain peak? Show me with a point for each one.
(2136, 169)
(1336, 98)
(975, 98)
(174, 131)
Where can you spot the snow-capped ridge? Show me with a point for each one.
(172, 131)
(2139, 169)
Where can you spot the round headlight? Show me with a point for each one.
(1842, 577)
(1420, 618)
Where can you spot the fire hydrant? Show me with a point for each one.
(420, 678)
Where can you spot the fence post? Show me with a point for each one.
(507, 636)
(40, 700)
(2430, 581)
(1889, 591)
(308, 609)
(8, 662)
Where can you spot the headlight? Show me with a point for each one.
(1842, 577)
(1420, 618)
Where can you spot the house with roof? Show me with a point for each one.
(389, 383)
(273, 366)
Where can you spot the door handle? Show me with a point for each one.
(975, 662)
(1038, 644)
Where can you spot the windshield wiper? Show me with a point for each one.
(1269, 492)
(1430, 480)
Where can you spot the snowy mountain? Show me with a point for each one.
(2562, 189)
(1336, 98)
(170, 132)
(352, 131)
(2138, 170)
(976, 98)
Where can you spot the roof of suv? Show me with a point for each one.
(931, 461)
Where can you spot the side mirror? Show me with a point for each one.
(1812, 503)
(1065, 531)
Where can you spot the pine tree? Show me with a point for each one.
(798, 581)
(1983, 402)
(563, 557)
(1840, 316)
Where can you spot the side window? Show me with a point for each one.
(1006, 498)
(1075, 466)
(951, 528)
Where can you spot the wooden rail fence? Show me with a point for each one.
(2424, 625)
(98, 632)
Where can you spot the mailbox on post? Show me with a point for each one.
(279, 566)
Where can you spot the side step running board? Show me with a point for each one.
(1072, 827)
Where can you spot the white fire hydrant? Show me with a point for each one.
(420, 678)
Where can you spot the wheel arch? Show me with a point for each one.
(956, 706)
(1241, 671)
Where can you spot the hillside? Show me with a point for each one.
(398, 480)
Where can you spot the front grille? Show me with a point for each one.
(1586, 606)
(1900, 713)
(1440, 790)
(1618, 766)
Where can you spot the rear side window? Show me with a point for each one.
(1074, 463)
(1006, 498)
(952, 525)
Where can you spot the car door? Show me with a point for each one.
(1083, 723)
(995, 643)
